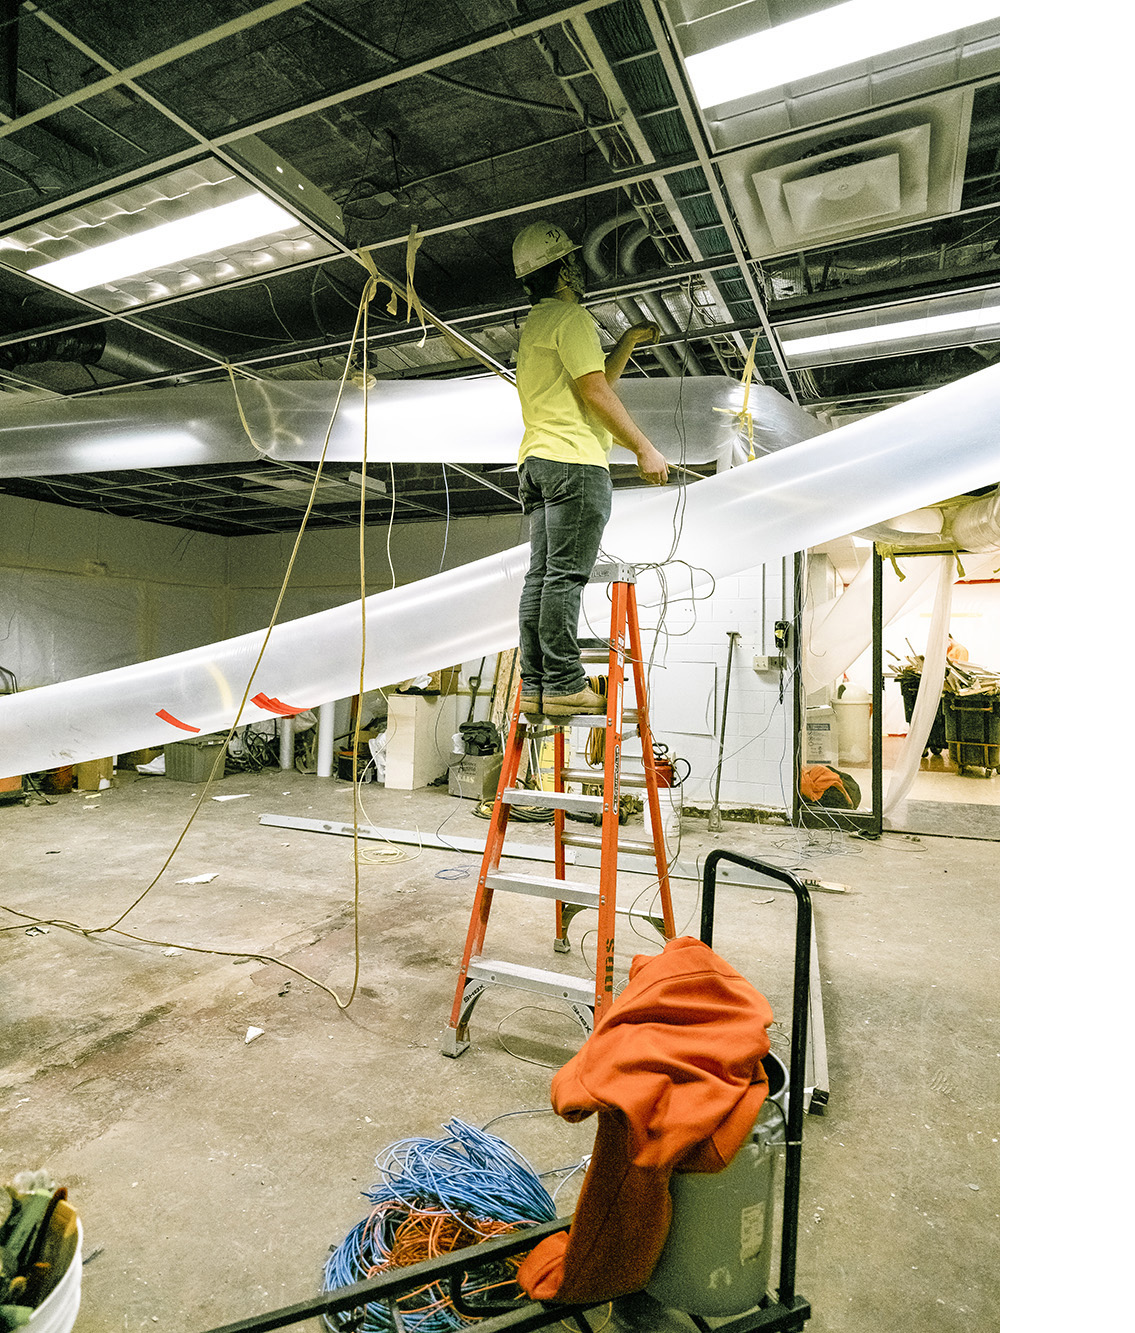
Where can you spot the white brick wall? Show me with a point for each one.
(757, 764)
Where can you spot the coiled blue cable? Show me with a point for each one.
(469, 1172)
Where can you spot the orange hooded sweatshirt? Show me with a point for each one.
(674, 1071)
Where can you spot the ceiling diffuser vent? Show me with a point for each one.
(811, 189)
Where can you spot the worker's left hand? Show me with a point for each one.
(642, 333)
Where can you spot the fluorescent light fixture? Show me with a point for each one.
(884, 333)
(168, 243)
(830, 39)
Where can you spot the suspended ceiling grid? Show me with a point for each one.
(464, 121)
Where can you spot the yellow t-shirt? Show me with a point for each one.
(559, 342)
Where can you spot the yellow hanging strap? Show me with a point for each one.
(891, 552)
(458, 344)
(412, 301)
(744, 417)
(375, 278)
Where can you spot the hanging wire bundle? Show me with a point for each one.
(436, 1196)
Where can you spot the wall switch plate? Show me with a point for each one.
(768, 663)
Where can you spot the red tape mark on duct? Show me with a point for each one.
(175, 722)
(275, 706)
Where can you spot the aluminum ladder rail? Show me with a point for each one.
(588, 999)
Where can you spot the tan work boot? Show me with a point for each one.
(530, 705)
(566, 705)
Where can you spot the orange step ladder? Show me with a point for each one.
(588, 997)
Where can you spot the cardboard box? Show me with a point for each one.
(89, 775)
(476, 776)
(136, 757)
(447, 681)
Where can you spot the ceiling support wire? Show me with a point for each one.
(406, 292)
(657, 21)
(147, 66)
(636, 151)
(589, 51)
(114, 927)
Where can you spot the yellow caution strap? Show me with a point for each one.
(744, 417)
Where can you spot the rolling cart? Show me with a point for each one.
(782, 1312)
(973, 730)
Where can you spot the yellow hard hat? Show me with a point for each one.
(538, 244)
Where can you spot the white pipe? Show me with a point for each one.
(287, 742)
(325, 741)
(915, 454)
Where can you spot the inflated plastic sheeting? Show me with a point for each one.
(941, 444)
(462, 421)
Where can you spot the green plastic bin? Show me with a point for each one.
(192, 761)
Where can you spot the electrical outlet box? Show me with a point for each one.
(768, 663)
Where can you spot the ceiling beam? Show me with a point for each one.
(657, 21)
(147, 66)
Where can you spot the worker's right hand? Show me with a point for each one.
(652, 466)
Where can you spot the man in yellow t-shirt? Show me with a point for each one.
(571, 412)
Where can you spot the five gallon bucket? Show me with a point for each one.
(64, 1251)
(718, 1249)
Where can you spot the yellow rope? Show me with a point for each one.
(744, 417)
(413, 302)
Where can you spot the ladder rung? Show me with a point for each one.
(594, 840)
(630, 715)
(566, 891)
(558, 984)
(576, 802)
(594, 777)
(546, 886)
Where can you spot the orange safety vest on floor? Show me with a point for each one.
(673, 1070)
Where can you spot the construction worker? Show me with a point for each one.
(571, 412)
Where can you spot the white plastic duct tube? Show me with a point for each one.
(941, 444)
(472, 421)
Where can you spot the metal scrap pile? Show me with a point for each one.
(961, 677)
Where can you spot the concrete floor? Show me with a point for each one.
(213, 1176)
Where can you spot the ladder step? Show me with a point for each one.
(581, 990)
(546, 886)
(566, 891)
(594, 777)
(576, 802)
(640, 846)
(630, 715)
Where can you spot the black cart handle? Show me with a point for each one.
(800, 979)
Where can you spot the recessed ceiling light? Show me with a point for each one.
(884, 333)
(829, 39)
(196, 227)
(168, 243)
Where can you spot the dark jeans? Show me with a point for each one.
(568, 506)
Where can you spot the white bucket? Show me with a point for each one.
(57, 1314)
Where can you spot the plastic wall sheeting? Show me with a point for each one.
(838, 632)
(461, 421)
(930, 685)
(942, 444)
